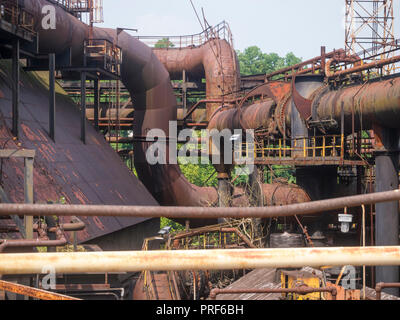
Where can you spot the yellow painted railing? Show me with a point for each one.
(313, 147)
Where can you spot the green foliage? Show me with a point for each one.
(254, 61)
(281, 172)
(198, 174)
(164, 43)
(175, 227)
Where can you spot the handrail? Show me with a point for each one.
(302, 290)
(221, 31)
(309, 147)
(18, 16)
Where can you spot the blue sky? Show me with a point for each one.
(280, 26)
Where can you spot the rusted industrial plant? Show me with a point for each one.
(95, 122)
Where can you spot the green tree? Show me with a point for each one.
(164, 43)
(253, 61)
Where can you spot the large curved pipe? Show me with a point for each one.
(148, 82)
(215, 60)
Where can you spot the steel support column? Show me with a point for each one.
(83, 107)
(28, 187)
(96, 106)
(387, 214)
(52, 95)
(224, 192)
(184, 92)
(15, 86)
(256, 195)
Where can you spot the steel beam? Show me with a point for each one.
(96, 103)
(83, 107)
(28, 187)
(14, 153)
(387, 214)
(15, 86)
(52, 95)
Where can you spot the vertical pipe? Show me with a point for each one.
(96, 103)
(224, 192)
(28, 186)
(15, 93)
(83, 107)
(257, 196)
(52, 95)
(387, 214)
(117, 123)
(184, 92)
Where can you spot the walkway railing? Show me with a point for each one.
(220, 31)
(313, 147)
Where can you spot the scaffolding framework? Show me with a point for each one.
(89, 10)
(370, 30)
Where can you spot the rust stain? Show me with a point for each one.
(29, 133)
(98, 223)
(44, 137)
(119, 195)
(80, 196)
(48, 152)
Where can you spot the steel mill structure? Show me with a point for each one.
(78, 104)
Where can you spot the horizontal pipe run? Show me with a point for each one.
(302, 290)
(375, 64)
(382, 285)
(305, 63)
(31, 243)
(176, 260)
(76, 224)
(198, 212)
(25, 243)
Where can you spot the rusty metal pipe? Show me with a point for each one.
(371, 103)
(199, 212)
(176, 260)
(215, 60)
(302, 290)
(32, 292)
(31, 243)
(382, 285)
(300, 65)
(375, 64)
(148, 82)
(24, 243)
(75, 225)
